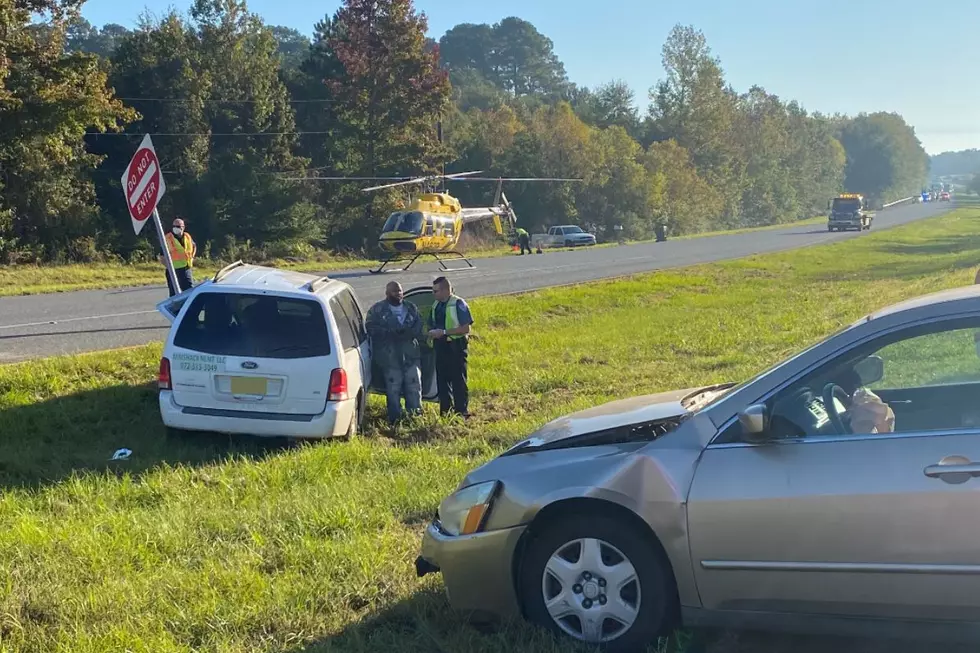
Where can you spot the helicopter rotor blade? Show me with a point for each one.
(518, 179)
(343, 178)
(421, 180)
(455, 175)
(407, 182)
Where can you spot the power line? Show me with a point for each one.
(141, 134)
(186, 100)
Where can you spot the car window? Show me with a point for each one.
(354, 315)
(929, 360)
(254, 326)
(920, 379)
(345, 329)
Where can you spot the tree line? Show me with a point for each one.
(254, 123)
(963, 162)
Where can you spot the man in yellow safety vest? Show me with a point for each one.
(182, 251)
(449, 327)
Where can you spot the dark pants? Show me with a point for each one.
(185, 278)
(451, 358)
(525, 243)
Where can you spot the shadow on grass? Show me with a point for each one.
(45, 442)
(935, 258)
(425, 623)
(756, 642)
(939, 247)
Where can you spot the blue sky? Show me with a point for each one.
(831, 55)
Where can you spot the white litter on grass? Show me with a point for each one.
(121, 454)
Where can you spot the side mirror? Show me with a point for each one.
(753, 421)
(870, 370)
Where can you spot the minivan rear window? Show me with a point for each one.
(254, 326)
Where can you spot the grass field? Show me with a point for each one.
(33, 279)
(231, 545)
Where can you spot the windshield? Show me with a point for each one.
(405, 221)
(848, 205)
(573, 230)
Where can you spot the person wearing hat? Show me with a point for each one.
(182, 251)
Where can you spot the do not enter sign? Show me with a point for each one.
(143, 184)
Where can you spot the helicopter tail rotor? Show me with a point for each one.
(508, 210)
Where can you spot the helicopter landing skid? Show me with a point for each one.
(442, 263)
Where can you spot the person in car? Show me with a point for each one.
(396, 329)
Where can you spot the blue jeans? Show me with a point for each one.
(405, 379)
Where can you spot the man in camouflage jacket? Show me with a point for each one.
(396, 330)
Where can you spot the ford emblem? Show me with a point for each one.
(249, 365)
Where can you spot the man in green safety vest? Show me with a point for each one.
(449, 328)
(524, 240)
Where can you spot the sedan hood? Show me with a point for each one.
(642, 418)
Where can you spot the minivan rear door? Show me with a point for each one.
(252, 352)
(170, 307)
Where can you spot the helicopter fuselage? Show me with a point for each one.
(431, 223)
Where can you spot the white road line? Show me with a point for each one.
(73, 319)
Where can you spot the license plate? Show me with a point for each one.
(249, 385)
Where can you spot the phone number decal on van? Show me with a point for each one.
(200, 362)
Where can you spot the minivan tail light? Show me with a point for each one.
(163, 378)
(338, 385)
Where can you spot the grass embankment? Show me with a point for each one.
(34, 280)
(223, 544)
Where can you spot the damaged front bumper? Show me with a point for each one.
(476, 569)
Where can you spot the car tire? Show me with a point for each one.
(657, 607)
(569, 243)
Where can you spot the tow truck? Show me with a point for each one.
(849, 211)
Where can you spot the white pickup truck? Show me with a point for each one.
(562, 236)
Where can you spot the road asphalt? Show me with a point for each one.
(35, 326)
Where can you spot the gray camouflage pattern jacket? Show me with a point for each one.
(394, 344)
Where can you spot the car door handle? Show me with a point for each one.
(953, 469)
(900, 401)
(935, 471)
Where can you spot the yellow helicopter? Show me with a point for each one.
(431, 223)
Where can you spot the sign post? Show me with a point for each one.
(143, 186)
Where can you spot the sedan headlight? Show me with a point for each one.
(465, 511)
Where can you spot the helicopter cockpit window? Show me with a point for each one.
(404, 221)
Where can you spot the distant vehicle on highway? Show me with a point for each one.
(944, 197)
(810, 497)
(563, 236)
(849, 211)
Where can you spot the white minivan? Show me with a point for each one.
(268, 352)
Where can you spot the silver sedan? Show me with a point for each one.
(838, 490)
